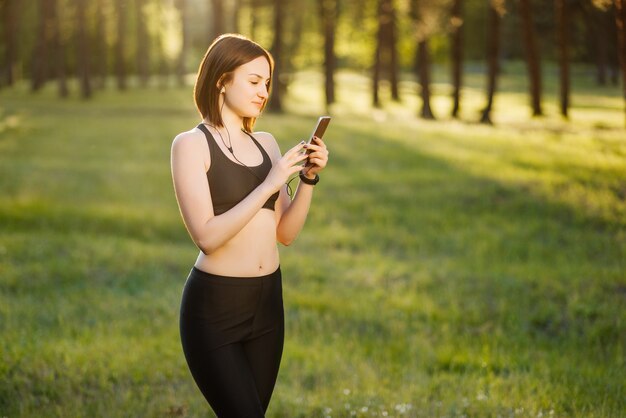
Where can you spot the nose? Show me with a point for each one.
(263, 92)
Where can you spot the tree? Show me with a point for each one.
(276, 50)
(83, 56)
(562, 29)
(599, 26)
(217, 14)
(422, 61)
(40, 60)
(457, 54)
(496, 11)
(532, 55)
(58, 50)
(10, 22)
(328, 13)
(386, 55)
(100, 46)
(120, 42)
(49, 52)
(392, 40)
(423, 69)
(620, 19)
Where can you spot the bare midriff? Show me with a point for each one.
(251, 253)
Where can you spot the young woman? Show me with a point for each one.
(230, 187)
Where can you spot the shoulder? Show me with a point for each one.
(190, 147)
(187, 138)
(189, 141)
(268, 142)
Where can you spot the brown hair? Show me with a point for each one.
(226, 53)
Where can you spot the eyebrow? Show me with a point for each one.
(260, 76)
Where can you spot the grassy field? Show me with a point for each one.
(447, 268)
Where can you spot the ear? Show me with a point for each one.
(220, 84)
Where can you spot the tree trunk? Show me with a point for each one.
(496, 11)
(58, 48)
(59, 56)
(457, 55)
(376, 76)
(10, 22)
(422, 62)
(620, 20)
(100, 56)
(181, 70)
(392, 41)
(386, 56)
(143, 57)
(598, 33)
(423, 71)
(562, 27)
(120, 64)
(328, 12)
(275, 103)
(217, 17)
(40, 57)
(378, 54)
(532, 55)
(83, 57)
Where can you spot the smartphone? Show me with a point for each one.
(320, 128)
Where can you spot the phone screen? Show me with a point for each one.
(320, 128)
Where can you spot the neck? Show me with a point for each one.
(232, 121)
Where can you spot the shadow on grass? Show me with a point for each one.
(407, 245)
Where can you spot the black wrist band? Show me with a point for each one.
(306, 180)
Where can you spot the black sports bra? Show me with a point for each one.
(231, 182)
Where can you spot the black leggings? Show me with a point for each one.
(232, 332)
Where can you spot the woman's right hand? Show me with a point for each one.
(286, 167)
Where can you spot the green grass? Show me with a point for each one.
(446, 269)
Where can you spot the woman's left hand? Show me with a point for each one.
(317, 158)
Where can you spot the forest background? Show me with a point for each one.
(58, 39)
(465, 254)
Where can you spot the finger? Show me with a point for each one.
(318, 162)
(295, 149)
(294, 169)
(317, 149)
(318, 154)
(296, 158)
(299, 157)
(319, 141)
(313, 147)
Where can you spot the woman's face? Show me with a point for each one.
(246, 93)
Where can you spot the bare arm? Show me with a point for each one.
(208, 231)
(292, 215)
